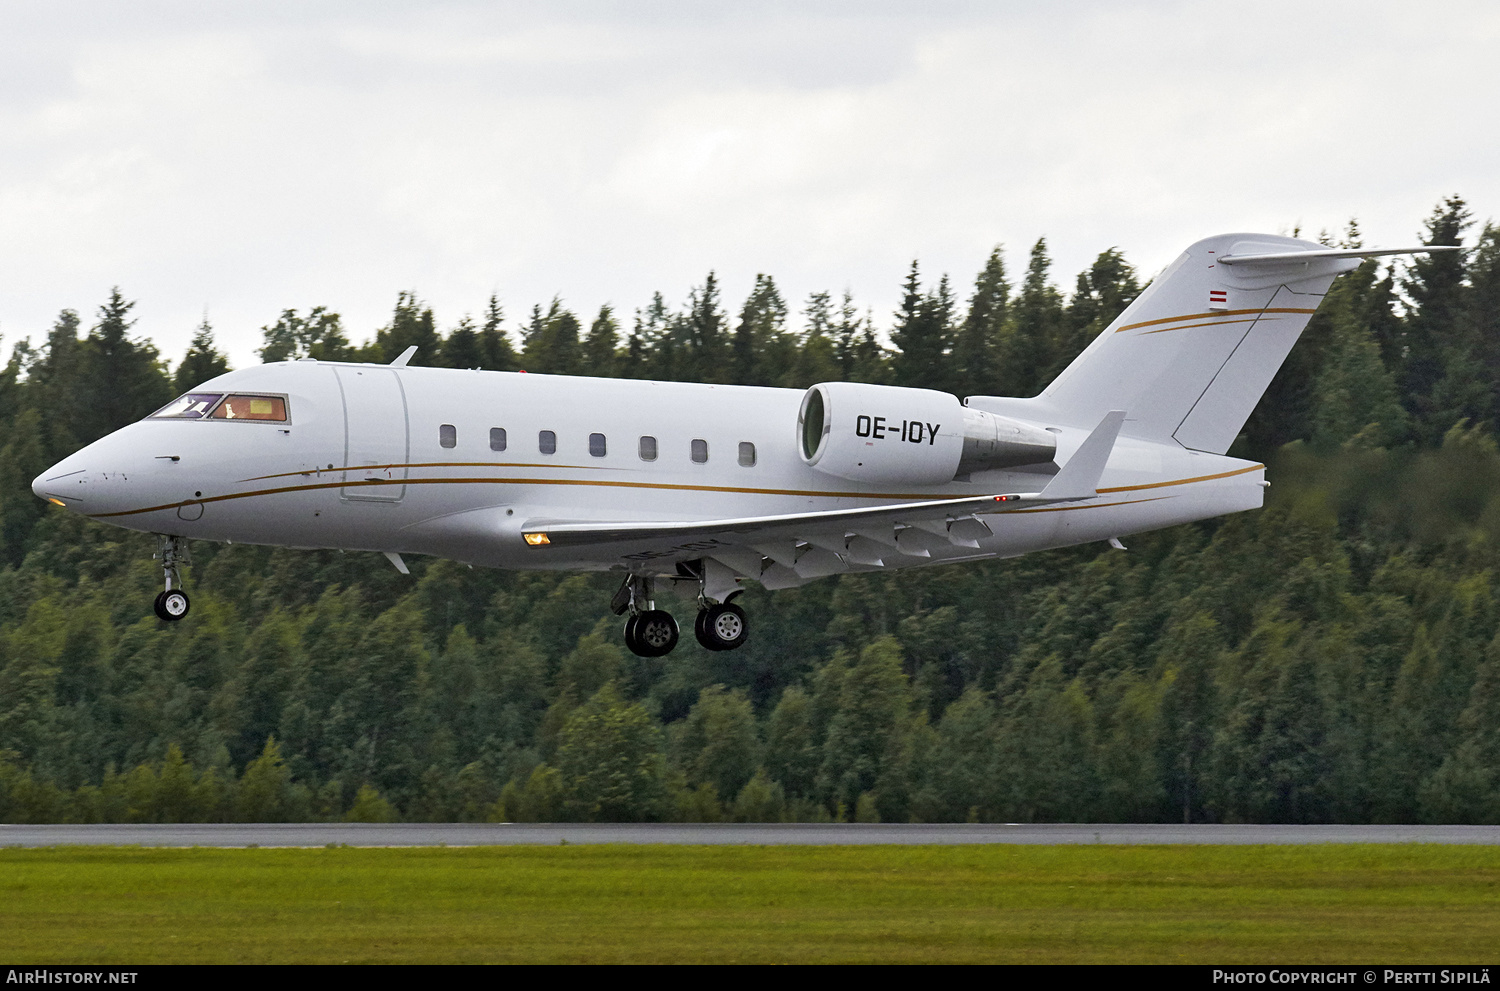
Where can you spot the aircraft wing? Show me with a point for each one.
(809, 545)
(565, 534)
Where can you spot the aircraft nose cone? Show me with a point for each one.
(64, 484)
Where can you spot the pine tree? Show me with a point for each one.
(708, 351)
(859, 355)
(757, 336)
(202, 361)
(1441, 359)
(495, 350)
(411, 324)
(461, 348)
(599, 347)
(552, 341)
(977, 351)
(123, 378)
(1103, 291)
(1353, 389)
(1481, 316)
(923, 335)
(815, 359)
(1038, 317)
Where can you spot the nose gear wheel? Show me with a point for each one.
(172, 603)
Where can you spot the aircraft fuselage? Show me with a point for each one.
(458, 464)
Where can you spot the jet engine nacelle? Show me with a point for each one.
(895, 436)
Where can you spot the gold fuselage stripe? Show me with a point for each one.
(1212, 314)
(664, 486)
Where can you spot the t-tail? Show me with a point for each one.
(1190, 358)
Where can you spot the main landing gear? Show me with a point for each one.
(652, 632)
(172, 603)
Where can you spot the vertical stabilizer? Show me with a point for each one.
(1190, 358)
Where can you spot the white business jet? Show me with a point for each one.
(717, 484)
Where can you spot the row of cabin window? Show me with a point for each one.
(547, 444)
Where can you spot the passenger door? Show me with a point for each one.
(377, 444)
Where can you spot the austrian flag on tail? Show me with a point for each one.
(1218, 299)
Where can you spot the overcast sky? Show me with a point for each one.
(241, 158)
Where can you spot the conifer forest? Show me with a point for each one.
(1331, 658)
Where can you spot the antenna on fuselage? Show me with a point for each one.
(404, 357)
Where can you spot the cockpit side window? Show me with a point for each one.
(251, 408)
(193, 406)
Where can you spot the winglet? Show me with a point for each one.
(404, 357)
(1079, 478)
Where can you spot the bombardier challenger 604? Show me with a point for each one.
(716, 484)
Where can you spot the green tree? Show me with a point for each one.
(599, 347)
(202, 361)
(977, 349)
(610, 757)
(1439, 356)
(319, 335)
(552, 342)
(816, 359)
(866, 734)
(496, 351)
(923, 335)
(124, 378)
(462, 347)
(717, 743)
(1027, 357)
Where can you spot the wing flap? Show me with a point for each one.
(754, 530)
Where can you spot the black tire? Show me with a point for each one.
(172, 606)
(722, 627)
(655, 633)
(632, 643)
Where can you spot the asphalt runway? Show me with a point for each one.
(787, 834)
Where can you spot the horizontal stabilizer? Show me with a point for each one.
(1277, 257)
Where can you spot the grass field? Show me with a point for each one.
(1025, 904)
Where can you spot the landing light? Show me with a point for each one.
(57, 502)
(537, 539)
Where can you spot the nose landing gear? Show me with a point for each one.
(172, 603)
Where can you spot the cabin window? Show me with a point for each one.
(648, 448)
(251, 408)
(193, 406)
(447, 435)
(497, 438)
(747, 454)
(700, 451)
(596, 445)
(546, 442)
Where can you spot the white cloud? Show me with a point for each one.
(252, 158)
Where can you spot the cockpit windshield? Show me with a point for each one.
(193, 406)
(217, 406)
(251, 408)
